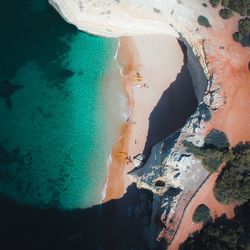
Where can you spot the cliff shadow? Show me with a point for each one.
(175, 106)
(116, 225)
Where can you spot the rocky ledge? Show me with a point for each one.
(171, 173)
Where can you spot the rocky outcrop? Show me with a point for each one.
(169, 161)
(169, 171)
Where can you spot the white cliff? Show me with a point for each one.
(169, 161)
(115, 18)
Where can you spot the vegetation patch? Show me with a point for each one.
(216, 139)
(233, 184)
(214, 3)
(243, 34)
(226, 13)
(242, 7)
(203, 21)
(214, 151)
(223, 234)
(201, 214)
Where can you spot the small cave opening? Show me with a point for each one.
(177, 103)
(160, 183)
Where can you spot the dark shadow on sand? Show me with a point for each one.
(116, 225)
(175, 106)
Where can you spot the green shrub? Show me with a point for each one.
(233, 183)
(214, 3)
(244, 26)
(245, 42)
(243, 35)
(203, 21)
(226, 13)
(223, 234)
(211, 158)
(240, 6)
(201, 214)
(237, 36)
(214, 151)
(225, 3)
(216, 139)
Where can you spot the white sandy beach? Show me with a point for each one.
(158, 59)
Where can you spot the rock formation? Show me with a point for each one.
(170, 171)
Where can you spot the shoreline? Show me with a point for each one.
(113, 89)
(115, 168)
(134, 55)
(202, 196)
(231, 118)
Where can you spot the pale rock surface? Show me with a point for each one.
(169, 161)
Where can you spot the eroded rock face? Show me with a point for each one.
(169, 161)
(170, 164)
(171, 173)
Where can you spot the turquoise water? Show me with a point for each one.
(52, 119)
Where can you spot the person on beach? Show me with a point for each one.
(128, 160)
(138, 77)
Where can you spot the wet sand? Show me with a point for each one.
(158, 59)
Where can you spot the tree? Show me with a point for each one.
(211, 158)
(225, 3)
(214, 3)
(216, 139)
(214, 151)
(223, 234)
(240, 6)
(237, 36)
(226, 13)
(201, 214)
(233, 184)
(203, 21)
(244, 26)
(243, 34)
